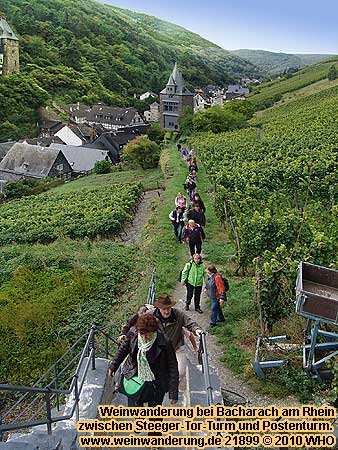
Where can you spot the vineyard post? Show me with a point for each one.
(233, 227)
(257, 294)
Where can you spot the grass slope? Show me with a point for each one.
(150, 179)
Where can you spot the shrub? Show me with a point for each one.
(142, 152)
(102, 167)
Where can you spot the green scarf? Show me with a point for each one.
(143, 369)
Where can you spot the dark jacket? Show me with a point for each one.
(201, 204)
(161, 357)
(198, 217)
(190, 185)
(173, 216)
(193, 235)
(173, 327)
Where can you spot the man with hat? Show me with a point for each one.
(174, 322)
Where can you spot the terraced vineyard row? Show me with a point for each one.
(277, 188)
(87, 213)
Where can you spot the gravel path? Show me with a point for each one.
(229, 380)
(133, 232)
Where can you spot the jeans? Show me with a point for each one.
(216, 312)
(198, 246)
(196, 291)
(178, 229)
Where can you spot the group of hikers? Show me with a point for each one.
(151, 359)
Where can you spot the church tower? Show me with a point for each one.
(173, 99)
(9, 49)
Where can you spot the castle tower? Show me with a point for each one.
(173, 99)
(9, 49)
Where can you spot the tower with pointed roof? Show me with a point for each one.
(173, 99)
(9, 49)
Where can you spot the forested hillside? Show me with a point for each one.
(276, 63)
(81, 50)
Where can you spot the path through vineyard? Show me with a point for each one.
(133, 232)
(228, 379)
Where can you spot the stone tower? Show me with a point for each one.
(173, 99)
(9, 49)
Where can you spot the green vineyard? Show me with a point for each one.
(276, 187)
(87, 213)
(266, 94)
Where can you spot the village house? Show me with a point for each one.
(108, 117)
(173, 99)
(146, 95)
(68, 133)
(114, 141)
(153, 115)
(77, 112)
(9, 49)
(235, 91)
(32, 161)
(200, 101)
(81, 159)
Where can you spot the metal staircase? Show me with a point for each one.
(47, 412)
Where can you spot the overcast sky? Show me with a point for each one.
(290, 26)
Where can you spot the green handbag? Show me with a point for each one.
(133, 385)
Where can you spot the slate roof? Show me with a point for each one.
(114, 140)
(236, 88)
(112, 115)
(52, 125)
(30, 160)
(5, 147)
(44, 141)
(81, 159)
(77, 109)
(176, 81)
(5, 30)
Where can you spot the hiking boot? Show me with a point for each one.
(187, 307)
(199, 310)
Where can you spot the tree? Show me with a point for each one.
(218, 120)
(186, 120)
(245, 107)
(9, 131)
(156, 133)
(102, 167)
(332, 75)
(143, 152)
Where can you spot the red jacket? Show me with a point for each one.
(220, 288)
(195, 234)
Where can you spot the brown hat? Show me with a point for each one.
(164, 301)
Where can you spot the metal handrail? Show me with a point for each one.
(40, 380)
(48, 392)
(152, 288)
(206, 368)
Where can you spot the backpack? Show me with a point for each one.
(226, 287)
(226, 283)
(180, 274)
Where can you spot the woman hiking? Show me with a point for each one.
(193, 275)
